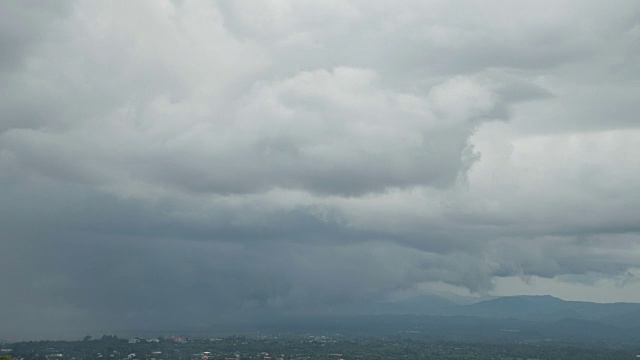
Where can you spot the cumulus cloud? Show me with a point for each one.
(171, 163)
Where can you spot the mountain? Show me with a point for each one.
(510, 318)
(549, 309)
(461, 299)
(541, 316)
(430, 303)
(630, 320)
(544, 308)
(447, 328)
(519, 307)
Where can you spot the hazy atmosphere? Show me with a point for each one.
(174, 163)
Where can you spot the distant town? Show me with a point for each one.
(301, 347)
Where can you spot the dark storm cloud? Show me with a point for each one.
(166, 164)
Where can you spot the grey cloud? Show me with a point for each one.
(550, 256)
(24, 25)
(185, 163)
(354, 148)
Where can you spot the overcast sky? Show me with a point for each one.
(181, 162)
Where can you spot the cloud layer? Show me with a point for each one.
(168, 163)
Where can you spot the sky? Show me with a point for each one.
(168, 163)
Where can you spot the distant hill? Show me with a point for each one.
(458, 327)
(544, 308)
(433, 303)
(511, 319)
(630, 320)
(548, 308)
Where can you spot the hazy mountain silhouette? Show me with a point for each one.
(511, 318)
(548, 308)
